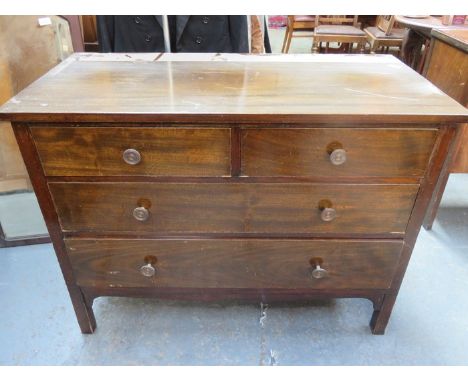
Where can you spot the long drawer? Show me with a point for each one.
(88, 151)
(336, 152)
(233, 207)
(234, 263)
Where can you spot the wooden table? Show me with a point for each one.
(419, 34)
(215, 177)
(447, 68)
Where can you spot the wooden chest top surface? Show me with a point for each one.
(109, 87)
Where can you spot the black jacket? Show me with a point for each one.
(211, 34)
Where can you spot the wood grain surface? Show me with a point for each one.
(177, 208)
(448, 70)
(305, 152)
(234, 263)
(98, 151)
(341, 85)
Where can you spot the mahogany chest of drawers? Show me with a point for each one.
(216, 177)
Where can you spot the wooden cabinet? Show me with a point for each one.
(225, 176)
(447, 68)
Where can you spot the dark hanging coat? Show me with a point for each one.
(211, 34)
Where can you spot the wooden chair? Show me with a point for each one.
(340, 29)
(383, 35)
(297, 24)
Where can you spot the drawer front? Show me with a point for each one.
(234, 263)
(233, 208)
(309, 152)
(90, 151)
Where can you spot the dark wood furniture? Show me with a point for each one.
(344, 30)
(384, 35)
(417, 39)
(89, 28)
(300, 23)
(447, 68)
(232, 177)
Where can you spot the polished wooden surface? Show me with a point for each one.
(237, 223)
(447, 66)
(164, 151)
(232, 208)
(376, 88)
(305, 152)
(456, 36)
(234, 263)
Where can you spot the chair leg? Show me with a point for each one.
(315, 46)
(424, 56)
(327, 45)
(288, 44)
(362, 47)
(287, 40)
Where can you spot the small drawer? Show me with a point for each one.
(289, 264)
(336, 152)
(262, 208)
(107, 151)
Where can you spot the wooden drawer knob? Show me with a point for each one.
(131, 156)
(317, 271)
(338, 157)
(337, 153)
(328, 213)
(141, 214)
(149, 270)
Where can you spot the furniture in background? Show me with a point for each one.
(289, 189)
(76, 32)
(28, 51)
(301, 23)
(339, 29)
(89, 30)
(384, 35)
(447, 68)
(417, 39)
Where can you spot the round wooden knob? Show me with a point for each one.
(131, 156)
(141, 214)
(338, 157)
(148, 270)
(319, 272)
(328, 214)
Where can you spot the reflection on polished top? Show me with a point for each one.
(119, 85)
